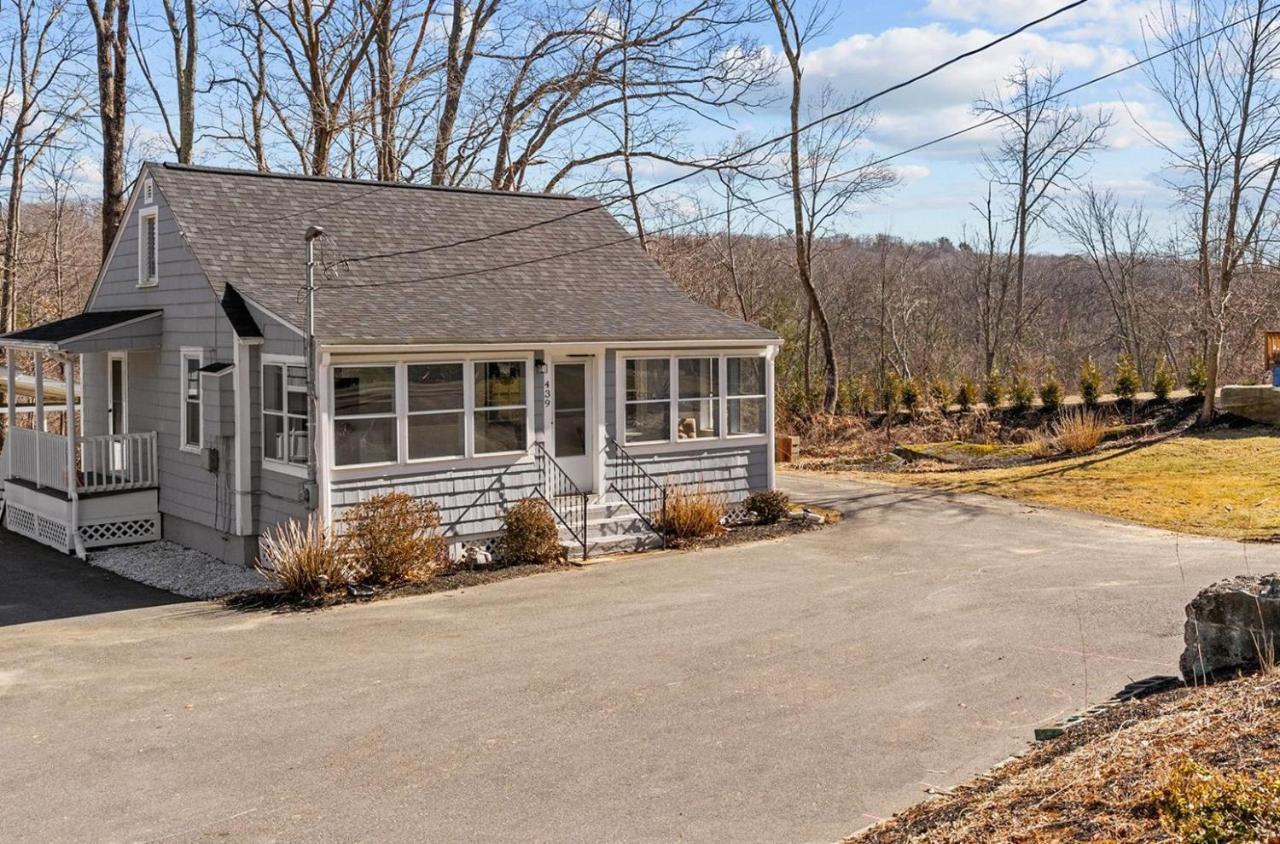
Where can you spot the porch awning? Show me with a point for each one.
(92, 331)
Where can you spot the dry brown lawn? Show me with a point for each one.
(1098, 782)
(1219, 483)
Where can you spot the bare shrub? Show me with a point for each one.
(530, 535)
(303, 559)
(692, 514)
(1078, 432)
(394, 538)
(768, 505)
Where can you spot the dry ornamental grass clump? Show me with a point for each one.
(1078, 431)
(303, 559)
(394, 538)
(692, 514)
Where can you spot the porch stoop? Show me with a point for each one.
(612, 527)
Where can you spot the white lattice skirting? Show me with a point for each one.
(120, 532)
(35, 526)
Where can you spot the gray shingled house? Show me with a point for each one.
(471, 347)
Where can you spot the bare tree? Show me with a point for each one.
(319, 49)
(181, 25)
(1116, 243)
(48, 98)
(1221, 85)
(1039, 153)
(466, 26)
(111, 26)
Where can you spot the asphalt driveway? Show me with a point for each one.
(786, 691)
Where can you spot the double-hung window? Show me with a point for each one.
(648, 400)
(192, 407)
(437, 410)
(695, 397)
(748, 406)
(364, 415)
(500, 406)
(284, 413)
(698, 412)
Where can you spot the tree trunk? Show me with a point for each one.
(111, 24)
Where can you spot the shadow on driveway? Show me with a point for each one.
(38, 584)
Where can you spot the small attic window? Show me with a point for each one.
(148, 248)
(148, 191)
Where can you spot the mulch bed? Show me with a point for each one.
(758, 533)
(1096, 782)
(271, 600)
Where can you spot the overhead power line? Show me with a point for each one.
(718, 163)
(873, 163)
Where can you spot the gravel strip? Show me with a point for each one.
(183, 571)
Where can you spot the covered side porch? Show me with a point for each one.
(62, 488)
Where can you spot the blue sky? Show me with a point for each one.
(871, 45)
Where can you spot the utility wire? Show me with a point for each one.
(873, 163)
(736, 156)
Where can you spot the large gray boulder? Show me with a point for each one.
(1230, 625)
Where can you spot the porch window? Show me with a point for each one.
(284, 414)
(698, 412)
(437, 410)
(499, 416)
(192, 400)
(648, 401)
(364, 413)
(746, 396)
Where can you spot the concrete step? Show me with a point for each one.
(599, 545)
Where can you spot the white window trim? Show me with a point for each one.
(471, 458)
(673, 443)
(468, 395)
(188, 353)
(285, 361)
(150, 212)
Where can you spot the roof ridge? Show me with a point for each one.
(303, 177)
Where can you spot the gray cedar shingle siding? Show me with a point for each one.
(247, 229)
(192, 318)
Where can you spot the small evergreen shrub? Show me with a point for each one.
(966, 393)
(692, 514)
(530, 535)
(769, 505)
(1127, 383)
(303, 559)
(394, 538)
(1051, 393)
(1197, 376)
(856, 396)
(1162, 381)
(1203, 805)
(993, 390)
(940, 393)
(1090, 383)
(912, 395)
(1021, 393)
(891, 393)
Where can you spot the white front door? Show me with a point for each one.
(117, 405)
(117, 395)
(571, 419)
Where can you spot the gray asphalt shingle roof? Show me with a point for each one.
(246, 229)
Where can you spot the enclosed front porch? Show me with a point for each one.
(62, 488)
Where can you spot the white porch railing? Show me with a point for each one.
(39, 457)
(111, 463)
(117, 462)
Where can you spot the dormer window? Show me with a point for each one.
(148, 248)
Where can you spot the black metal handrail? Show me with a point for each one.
(451, 529)
(566, 500)
(638, 489)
